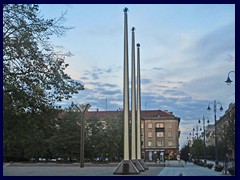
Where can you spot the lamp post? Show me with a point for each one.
(215, 103)
(192, 134)
(204, 143)
(196, 130)
(82, 108)
(229, 81)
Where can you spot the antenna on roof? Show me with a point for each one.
(106, 104)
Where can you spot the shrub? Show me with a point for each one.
(198, 162)
(231, 170)
(218, 168)
(210, 165)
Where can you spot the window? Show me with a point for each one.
(159, 143)
(142, 125)
(149, 134)
(169, 134)
(170, 143)
(150, 143)
(160, 134)
(159, 125)
(149, 125)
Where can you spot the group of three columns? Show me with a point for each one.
(131, 163)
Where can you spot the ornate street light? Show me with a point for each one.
(204, 143)
(82, 108)
(229, 81)
(214, 103)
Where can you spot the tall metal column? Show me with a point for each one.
(133, 97)
(138, 105)
(126, 89)
(126, 166)
(139, 153)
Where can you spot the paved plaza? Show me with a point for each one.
(19, 169)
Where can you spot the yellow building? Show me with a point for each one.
(160, 135)
(159, 132)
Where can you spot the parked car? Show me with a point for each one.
(101, 159)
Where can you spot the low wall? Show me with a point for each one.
(174, 163)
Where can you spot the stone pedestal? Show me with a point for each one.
(126, 167)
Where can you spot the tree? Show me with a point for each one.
(197, 148)
(33, 79)
(114, 136)
(185, 151)
(95, 138)
(210, 152)
(104, 137)
(33, 73)
(26, 135)
(65, 141)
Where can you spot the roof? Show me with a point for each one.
(145, 114)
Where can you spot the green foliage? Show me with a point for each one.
(33, 73)
(210, 152)
(114, 137)
(185, 151)
(65, 141)
(197, 148)
(26, 135)
(33, 80)
(104, 139)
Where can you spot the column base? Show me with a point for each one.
(126, 167)
(138, 165)
(144, 165)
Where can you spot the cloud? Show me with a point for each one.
(158, 68)
(174, 92)
(217, 42)
(110, 85)
(146, 81)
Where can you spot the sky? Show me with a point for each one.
(186, 52)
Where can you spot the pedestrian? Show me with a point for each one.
(185, 159)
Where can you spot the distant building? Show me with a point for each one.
(210, 132)
(159, 132)
(226, 130)
(226, 124)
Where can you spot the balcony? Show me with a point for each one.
(159, 129)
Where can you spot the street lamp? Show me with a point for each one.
(192, 134)
(229, 81)
(204, 143)
(196, 130)
(82, 108)
(214, 103)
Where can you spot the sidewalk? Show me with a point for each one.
(189, 169)
(52, 169)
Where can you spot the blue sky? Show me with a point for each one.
(186, 53)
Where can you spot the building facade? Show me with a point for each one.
(225, 131)
(159, 132)
(160, 135)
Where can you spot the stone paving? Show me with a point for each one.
(51, 169)
(190, 169)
